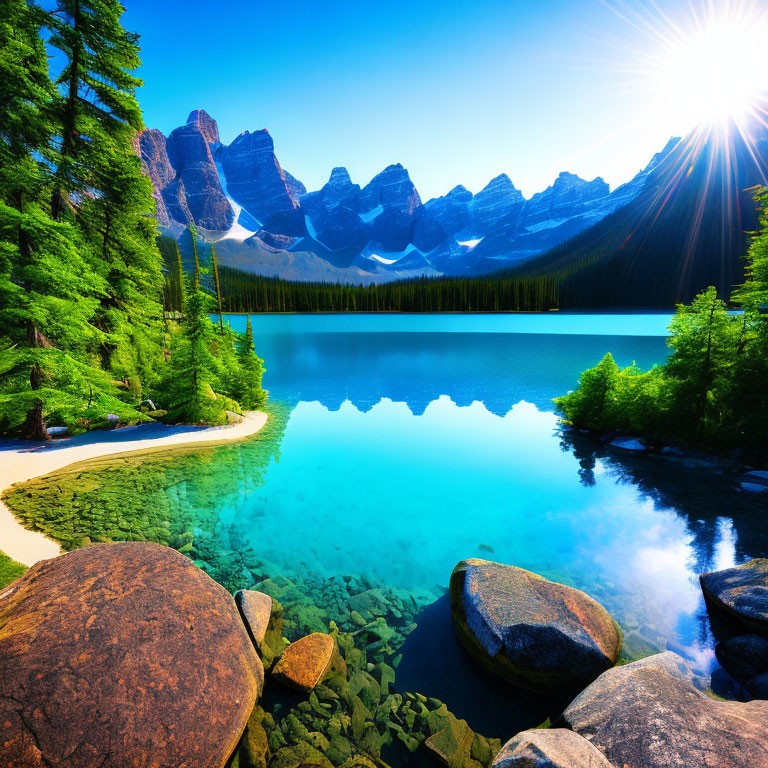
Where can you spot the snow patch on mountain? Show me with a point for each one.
(237, 231)
(372, 214)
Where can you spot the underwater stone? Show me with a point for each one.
(308, 661)
(103, 647)
(534, 633)
(254, 746)
(453, 744)
(256, 610)
(744, 656)
(549, 748)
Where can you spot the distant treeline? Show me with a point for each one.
(584, 282)
(246, 292)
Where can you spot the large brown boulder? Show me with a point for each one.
(741, 592)
(652, 714)
(122, 655)
(532, 632)
(549, 748)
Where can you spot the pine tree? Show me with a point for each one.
(249, 391)
(99, 182)
(194, 370)
(47, 291)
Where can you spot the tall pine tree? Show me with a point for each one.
(47, 291)
(99, 180)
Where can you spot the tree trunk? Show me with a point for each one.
(33, 427)
(68, 128)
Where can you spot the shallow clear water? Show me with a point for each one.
(417, 441)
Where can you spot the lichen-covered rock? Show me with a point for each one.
(549, 748)
(652, 714)
(308, 661)
(122, 654)
(532, 632)
(744, 656)
(741, 591)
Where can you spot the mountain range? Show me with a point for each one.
(263, 220)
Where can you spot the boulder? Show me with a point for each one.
(652, 713)
(549, 748)
(256, 610)
(122, 654)
(532, 632)
(741, 591)
(758, 686)
(308, 662)
(744, 657)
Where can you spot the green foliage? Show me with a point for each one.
(81, 273)
(210, 368)
(245, 292)
(712, 390)
(10, 570)
(248, 388)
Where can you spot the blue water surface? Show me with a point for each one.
(415, 441)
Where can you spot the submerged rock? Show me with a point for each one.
(532, 632)
(744, 657)
(309, 661)
(651, 714)
(741, 591)
(753, 487)
(122, 654)
(549, 748)
(628, 444)
(758, 686)
(756, 477)
(256, 610)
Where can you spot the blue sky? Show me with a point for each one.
(456, 91)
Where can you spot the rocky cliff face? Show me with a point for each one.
(451, 211)
(255, 180)
(495, 201)
(150, 145)
(392, 188)
(197, 186)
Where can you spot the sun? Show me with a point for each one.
(714, 70)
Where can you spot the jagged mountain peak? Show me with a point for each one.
(204, 123)
(392, 187)
(339, 175)
(498, 187)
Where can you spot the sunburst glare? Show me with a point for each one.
(705, 69)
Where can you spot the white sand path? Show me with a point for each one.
(27, 462)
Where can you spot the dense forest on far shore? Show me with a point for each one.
(245, 292)
(712, 391)
(524, 289)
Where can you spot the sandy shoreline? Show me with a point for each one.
(26, 463)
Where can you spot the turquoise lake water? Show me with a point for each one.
(417, 441)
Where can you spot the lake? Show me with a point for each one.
(401, 444)
(416, 441)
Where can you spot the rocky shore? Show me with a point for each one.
(129, 654)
